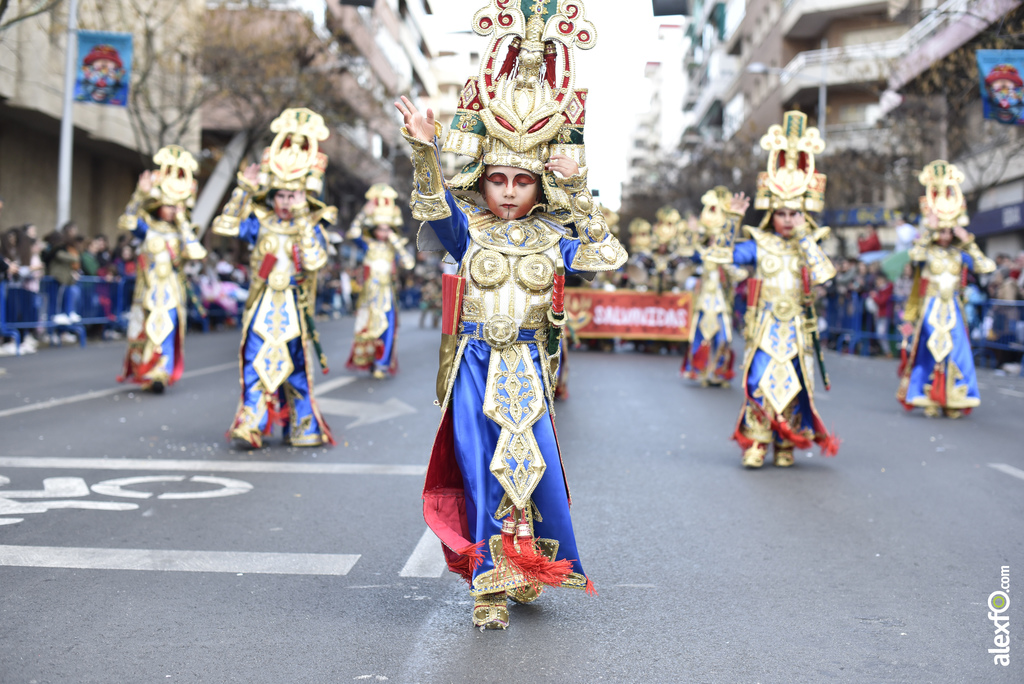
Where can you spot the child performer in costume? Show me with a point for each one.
(376, 320)
(495, 491)
(781, 327)
(274, 208)
(939, 373)
(710, 356)
(158, 215)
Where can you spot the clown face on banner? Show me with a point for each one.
(104, 67)
(1002, 88)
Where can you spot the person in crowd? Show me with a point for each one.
(881, 298)
(906, 234)
(274, 209)
(157, 215)
(937, 372)
(374, 231)
(66, 268)
(495, 490)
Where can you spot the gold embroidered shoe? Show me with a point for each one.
(491, 611)
(931, 411)
(527, 594)
(783, 457)
(753, 457)
(953, 413)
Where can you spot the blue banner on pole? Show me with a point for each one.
(104, 67)
(1002, 88)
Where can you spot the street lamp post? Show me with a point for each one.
(67, 123)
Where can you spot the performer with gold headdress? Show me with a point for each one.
(710, 356)
(495, 492)
(640, 243)
(939, 374)
(158, 214)
(781, 326)
(274, 209)
(373, 231)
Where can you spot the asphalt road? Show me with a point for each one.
(301, 565)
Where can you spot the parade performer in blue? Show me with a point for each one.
(938, 374)
(374, 232)
(158, 215)
(495, 491)
(274, 209)
(710, 357)
(781, 327)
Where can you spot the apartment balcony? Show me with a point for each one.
(869, 63)
(802, 19)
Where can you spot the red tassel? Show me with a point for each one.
(700, 357)
(938, 393)
(534, 566)
(904, 359)
(470, 558)
(275, 415)
(510, 63)
(590, 588)
(549, 63)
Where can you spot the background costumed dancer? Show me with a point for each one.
(781, 328)
(496, 493)
(710, 357)
(274, 209)
(158, 214)
(939, 375)
(376, 332)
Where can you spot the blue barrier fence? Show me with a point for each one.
(996, 328)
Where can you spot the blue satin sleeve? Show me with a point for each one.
(745, 253)
(360, 243)
(568, 247)
(968, 261)
(453, 231)
(141, 228)
(249, 229)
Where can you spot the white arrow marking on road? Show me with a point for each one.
(427, 559)
(1008, 469)
(178, 561)
(53, 487)
(211, 466)
(325, 387)
(116, 487)
(365, 412)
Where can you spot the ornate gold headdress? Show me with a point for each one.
(639, 235)
(667, 227)
(943, 195)
(177, 182)
(521, 110)
(294, 160)
(385, 211)
(791, 180)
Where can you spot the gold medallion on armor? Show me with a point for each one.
(770, 264)
(489, 269)
(163, 269)
(500, 331)
(535, 273)
(278, 280)
(268, 244)
(155, 244)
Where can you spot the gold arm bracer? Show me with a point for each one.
(599, 249)
(236, 210)
(428, 194)
(129, 220)
(982, 264)
(817, 261)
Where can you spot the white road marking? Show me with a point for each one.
(96, 394)
(117, 487)
(211, 466)
(180, 561)
(427, 559)
(1008, 469)
(325, 387)
(53, 487)
(1010, 392)
(365, 412)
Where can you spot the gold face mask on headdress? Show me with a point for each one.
(177, 166)
(943, 195)
(667, 227)
(521, 110)
(791, 181)
(385, 210)
(640, 235)
(294, 160)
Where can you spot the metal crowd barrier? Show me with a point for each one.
(996, 332)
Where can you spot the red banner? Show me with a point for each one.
(628, 315)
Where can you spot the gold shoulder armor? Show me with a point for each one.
(982, 264)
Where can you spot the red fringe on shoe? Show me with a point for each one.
(534, 566)
(275, 416)
(590, 588)
(470, 558)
